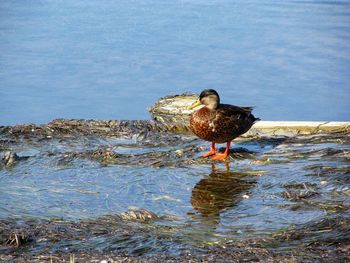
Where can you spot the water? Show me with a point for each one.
(269, 185)
(114, 59)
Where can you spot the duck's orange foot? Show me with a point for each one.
(211, 153)
(220, 156)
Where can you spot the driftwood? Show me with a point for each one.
(172, 112)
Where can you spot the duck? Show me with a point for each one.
(219, 123)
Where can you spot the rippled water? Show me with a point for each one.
(113, 59)
(269, 184)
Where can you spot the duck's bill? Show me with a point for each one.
(194, 104)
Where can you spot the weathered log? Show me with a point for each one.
(172, 112)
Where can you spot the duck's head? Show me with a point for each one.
(209, 98)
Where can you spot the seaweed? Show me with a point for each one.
(65, 164)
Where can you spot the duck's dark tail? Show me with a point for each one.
(253, 119)
(251, 116)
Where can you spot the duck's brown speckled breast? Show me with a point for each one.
(222, 124)
(201, 123)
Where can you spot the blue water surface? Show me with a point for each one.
(114, 59)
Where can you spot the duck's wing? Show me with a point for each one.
(235, 112)
(232, 117)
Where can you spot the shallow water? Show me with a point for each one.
(112, 60)
(268, 185)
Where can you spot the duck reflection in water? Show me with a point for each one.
(220, 190)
